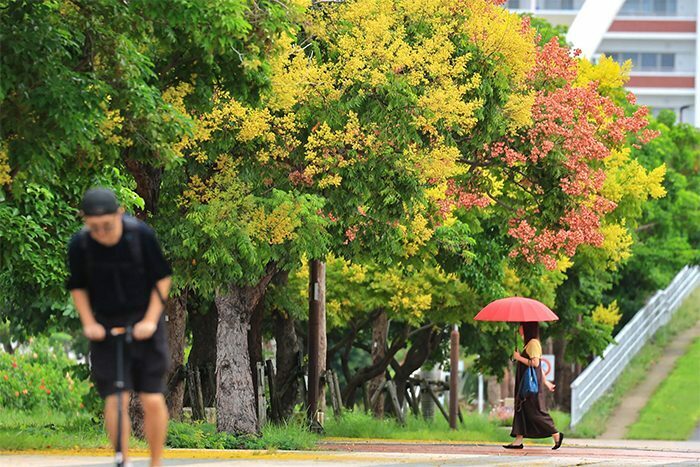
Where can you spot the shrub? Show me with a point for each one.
(39, 375)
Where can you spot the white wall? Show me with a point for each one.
(687, 8)
(671, 102)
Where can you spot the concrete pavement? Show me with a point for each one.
(392, 453)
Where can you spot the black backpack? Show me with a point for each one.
(133, 241)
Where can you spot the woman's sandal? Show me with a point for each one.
(558, 444)
(513, 446)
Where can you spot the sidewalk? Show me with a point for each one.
(392, 453)
(628, 411)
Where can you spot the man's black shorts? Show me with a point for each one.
(145, 364)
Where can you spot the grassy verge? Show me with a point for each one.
(44, 429)
(362, 425)
(292, 436)
(38, 430)
(673, 411)
(595, 421)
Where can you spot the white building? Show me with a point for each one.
(658, 36)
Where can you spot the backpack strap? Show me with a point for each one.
(133, 240)
(87, 254)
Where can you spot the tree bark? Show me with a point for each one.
(203, 354)
(286, 378)
(365, 374)
(322, 338)
(255, 352)
(378, 347)
(423, 346)
(176, 312)
(564, 374)
(235, 397)
(147, 179)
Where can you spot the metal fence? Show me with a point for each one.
(592, 383)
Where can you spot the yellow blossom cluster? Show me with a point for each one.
(112, 125)
(276, 226)
(492, 29)
(608, 73)
(617, 243)
(626, 177)
(5, 177)
(609, 315)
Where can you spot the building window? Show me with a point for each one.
(642, 61)
(556, 4)
(513, 4)
(649, 8)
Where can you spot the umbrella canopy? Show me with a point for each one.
(516, 309)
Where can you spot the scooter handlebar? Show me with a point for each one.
(122, 331)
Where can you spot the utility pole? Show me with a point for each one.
(317, 325)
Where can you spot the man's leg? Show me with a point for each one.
(155, 423)
(111, 421)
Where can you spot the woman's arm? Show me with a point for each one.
(534, 362)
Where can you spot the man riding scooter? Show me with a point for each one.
(119, 280)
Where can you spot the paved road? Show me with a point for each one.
(372, 453)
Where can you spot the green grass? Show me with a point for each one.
(673, 412)
(292, 436)
(562, 420)
(595, 421)
(44, 429)
(362, 425)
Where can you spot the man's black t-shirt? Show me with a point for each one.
(118, 287)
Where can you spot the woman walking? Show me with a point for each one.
(531, 419)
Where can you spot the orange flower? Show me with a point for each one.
(14, 364)
(24, 391)
(16, 393)
(48, 391)
(5, 377)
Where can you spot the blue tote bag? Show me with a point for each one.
(529, 385)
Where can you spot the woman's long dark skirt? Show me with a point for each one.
(531, 419)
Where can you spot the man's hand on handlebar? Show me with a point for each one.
(94, 332)
(144, 330)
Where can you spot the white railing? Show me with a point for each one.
(602, 372)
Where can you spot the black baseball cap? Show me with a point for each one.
(98, 202)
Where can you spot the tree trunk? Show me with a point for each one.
(286, 378)
(365, 374)
(322, 338)
(176, 312)
(380, 329)
(423, 346)
(255, 352)
(203, 354)
(564, 374)
(147, 180)
(235, 397)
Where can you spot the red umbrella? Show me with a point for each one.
(516, 309)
